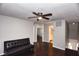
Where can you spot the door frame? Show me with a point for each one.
(35, 26)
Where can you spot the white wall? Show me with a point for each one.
(46, 32)
(13, 28)
(73, 31)
(59, 35)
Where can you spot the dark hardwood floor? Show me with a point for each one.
(44, 49)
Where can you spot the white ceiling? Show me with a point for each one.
(67, 11)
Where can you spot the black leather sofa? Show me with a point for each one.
(20, 47)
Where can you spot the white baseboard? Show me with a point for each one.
(59, 48)
(1, 54)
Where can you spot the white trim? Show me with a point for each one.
(59, 47)
(40, 26)
(56, 46)
(1, 54)
(37, 25)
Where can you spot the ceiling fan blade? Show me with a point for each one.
(45, 18)
(49, 14)
(31, 17)
(35, 13)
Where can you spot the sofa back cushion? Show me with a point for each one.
(15, 43)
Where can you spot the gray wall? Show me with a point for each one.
(73, 31)
(72, 38)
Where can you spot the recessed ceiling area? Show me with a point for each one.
(66, 11)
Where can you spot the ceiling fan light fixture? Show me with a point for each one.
(39, 18)
(73, 23)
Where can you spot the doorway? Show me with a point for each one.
(51, 34)
(39, 33)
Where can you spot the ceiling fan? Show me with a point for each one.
(40, 15)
